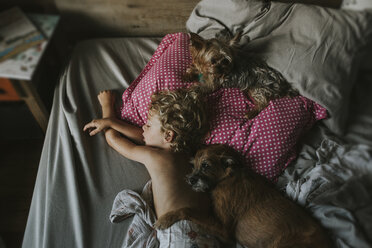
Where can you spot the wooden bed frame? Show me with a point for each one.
(126, 17)
(122, 18)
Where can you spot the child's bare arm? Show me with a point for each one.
(130, 131)
(122, 145)
(97, 125)
(139, 153)
(106, 99)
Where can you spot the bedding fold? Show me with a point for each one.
(337, 188)
(182, 234)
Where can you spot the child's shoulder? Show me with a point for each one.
(157, 160)
(155, 153)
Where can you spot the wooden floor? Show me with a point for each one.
(19, 160)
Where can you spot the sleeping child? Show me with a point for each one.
(176, 126)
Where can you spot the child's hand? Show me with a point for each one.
(106, 98)
(96, 126)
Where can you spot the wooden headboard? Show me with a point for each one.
(110, 18)
(114, 18)
(118, 18)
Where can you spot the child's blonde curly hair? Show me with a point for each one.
(182, 111)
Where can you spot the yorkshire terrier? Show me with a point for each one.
(222, 63)
(251, 210)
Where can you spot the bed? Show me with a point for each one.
(79, 176)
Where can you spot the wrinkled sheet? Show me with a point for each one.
(332, 176)
(79, 176)
(129, 203)
(335, 184)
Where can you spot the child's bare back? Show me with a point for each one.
(170, 189)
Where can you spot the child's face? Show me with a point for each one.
(152, 133)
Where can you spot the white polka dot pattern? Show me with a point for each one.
(268, 142)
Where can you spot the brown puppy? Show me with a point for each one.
(218, 63)
(249, 207)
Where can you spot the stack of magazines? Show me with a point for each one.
(17, 33)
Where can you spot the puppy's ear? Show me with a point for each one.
(196, 40)
(235, 40)
(228, 162)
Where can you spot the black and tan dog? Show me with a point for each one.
(222, 63)
(249, 207)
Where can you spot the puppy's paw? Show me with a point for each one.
(226, 238)
(224, 235)
(162, 224)
(167, 220)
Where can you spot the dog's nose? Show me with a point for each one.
(192, 180)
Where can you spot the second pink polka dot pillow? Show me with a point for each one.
(268, 142)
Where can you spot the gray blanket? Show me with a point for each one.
(336, 186)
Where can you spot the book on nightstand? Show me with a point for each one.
(17, 33)
(23, 65)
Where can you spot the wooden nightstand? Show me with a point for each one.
(24, 76)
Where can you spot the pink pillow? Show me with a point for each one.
(268, 142)
(163, 71)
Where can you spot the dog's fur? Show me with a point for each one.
(224, 64)
(249, 207)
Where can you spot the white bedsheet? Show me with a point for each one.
(79, 176)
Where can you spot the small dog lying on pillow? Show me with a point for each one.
(218, 63)
(249, 208)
